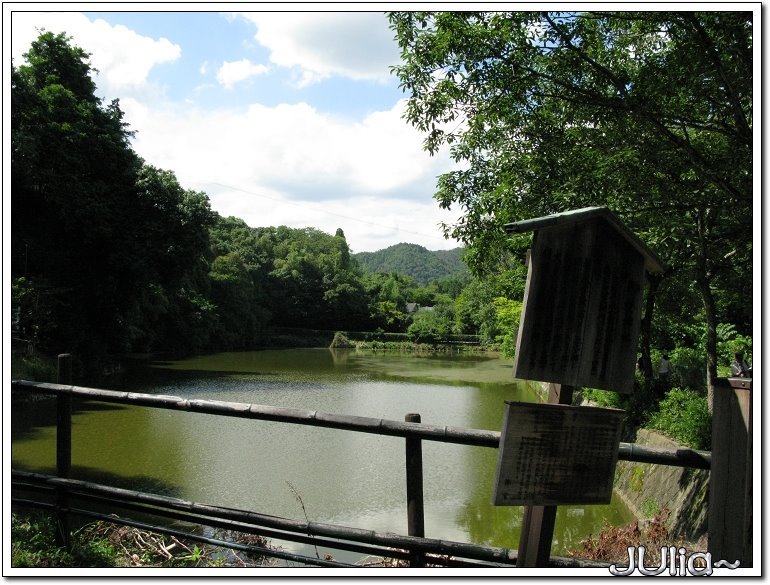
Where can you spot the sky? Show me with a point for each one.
(281, 118)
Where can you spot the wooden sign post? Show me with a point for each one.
(557, 454)
(579, 327)
(554, 454)
(540, 520)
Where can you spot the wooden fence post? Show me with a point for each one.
(538, 524)
(63, 450)
(415, 509)
(730, 482)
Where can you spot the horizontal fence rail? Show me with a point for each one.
(67, 497)
(282, 528)
(445, 434)
(444, 552)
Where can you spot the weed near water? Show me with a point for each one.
(109, 545)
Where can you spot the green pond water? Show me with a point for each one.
(342, 477)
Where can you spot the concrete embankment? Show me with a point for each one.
(649, 489)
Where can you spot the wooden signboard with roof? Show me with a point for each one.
(582, 304)
(579, 327)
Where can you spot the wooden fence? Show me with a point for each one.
(72, 497)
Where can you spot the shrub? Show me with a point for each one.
(688, 367)
(341, 341)
(603, 398)
(638, 405)
(430, 326)
(103, 544)
(729, 342)
(683, 415)
(649, 508)
(33, 545)
(613, 541)
(35, 366)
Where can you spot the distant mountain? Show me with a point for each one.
(413, 260)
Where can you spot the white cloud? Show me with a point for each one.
(232, 72)
(122, 57)
(294, 165)
(292, 148)
(356, 45)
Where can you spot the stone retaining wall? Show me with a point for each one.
(648, 489)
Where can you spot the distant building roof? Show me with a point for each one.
(651, 261)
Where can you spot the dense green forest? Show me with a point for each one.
(416, 261)
(111, 255)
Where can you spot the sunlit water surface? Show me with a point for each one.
(340, 477)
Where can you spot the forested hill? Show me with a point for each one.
(413, 260)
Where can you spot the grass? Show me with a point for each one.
(107, 545)
(33, 546)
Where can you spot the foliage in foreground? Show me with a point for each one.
(683, 415)
(33, 546)
(103, 544)
(611, 544)
(648, 113)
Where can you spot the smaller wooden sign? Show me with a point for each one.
(552, 454)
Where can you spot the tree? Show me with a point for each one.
(108, 254)
(168, 257)
(238, 273)
(431, 325)
(648, 113)
(314, 282)
(73, 176)
(388, 295)
(508, 315)
(478, 307)
(343, 289)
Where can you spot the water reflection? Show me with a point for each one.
(343, 477)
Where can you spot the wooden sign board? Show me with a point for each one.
(552, 454)
(582, 307)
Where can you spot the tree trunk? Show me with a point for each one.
(703, 280)
(645, 331)
(711, 336)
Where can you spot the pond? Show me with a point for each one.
(295, 471)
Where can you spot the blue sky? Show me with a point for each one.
(282, 118)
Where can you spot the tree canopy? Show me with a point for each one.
(648, 113)
(72, 175)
